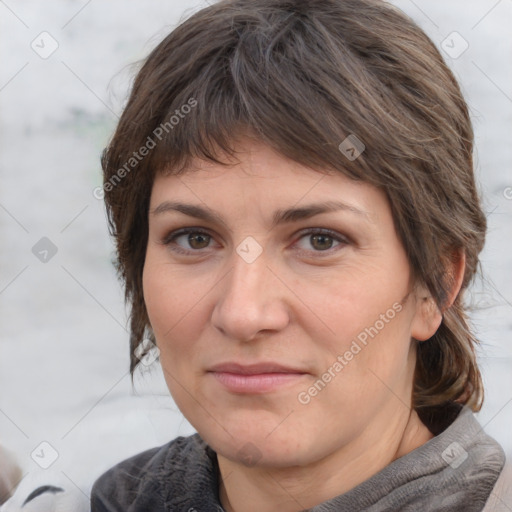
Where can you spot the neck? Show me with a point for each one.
(292, 489)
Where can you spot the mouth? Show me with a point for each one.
(255, 378)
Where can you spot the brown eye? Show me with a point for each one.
(198, 240)
(315, 241)
(188, 241)
(321, 242)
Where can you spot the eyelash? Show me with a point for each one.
(171, 237)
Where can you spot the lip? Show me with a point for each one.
(255, 378)
(254, 368)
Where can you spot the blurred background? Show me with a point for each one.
(66, 399)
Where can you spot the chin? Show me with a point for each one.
(253, 446)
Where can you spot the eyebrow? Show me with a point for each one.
(280, 216)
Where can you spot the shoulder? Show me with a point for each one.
(142, 481)
(501, 494)
(467, 464)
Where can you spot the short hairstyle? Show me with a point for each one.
(301, 76)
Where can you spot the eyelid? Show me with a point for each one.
(324, 231)
(342, 239)
(168, 239)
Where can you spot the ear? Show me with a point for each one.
(428, 315)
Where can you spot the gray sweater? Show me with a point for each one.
(454, 471)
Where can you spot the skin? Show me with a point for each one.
(298, 304)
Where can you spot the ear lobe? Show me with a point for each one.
(428, 315)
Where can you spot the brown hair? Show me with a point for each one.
(302, 75)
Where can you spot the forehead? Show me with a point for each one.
(261, 181)
(251, 158)
(254, 168)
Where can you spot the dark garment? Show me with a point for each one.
(454, 471)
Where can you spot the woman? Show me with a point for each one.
(291, 192)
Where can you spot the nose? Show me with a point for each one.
(251, 300)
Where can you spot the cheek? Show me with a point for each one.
(359, 299)
(171, 302)
(367, 323)
(173, 306)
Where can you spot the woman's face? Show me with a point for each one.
(281, 302)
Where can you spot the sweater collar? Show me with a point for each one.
(457, 468)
